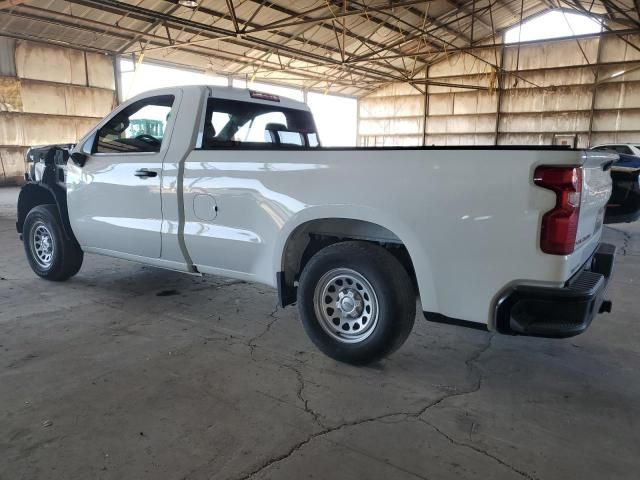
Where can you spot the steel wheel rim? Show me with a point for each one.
(42, 248)
(346, 305)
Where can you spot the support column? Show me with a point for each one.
(501, 83)
(426, 107)
(594, 90)
(118, 78)
(358, 137)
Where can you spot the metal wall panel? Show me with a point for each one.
(474, 102)
(618, 95)
(10, 95)
(545, 122)
(51, 95)
(7, 57)
(553, 78)
(57, 99)
(463, 64)
(12, 165)
(589, 88)
(552, 54)
(385, 107)
(51, 64)
(615, 49)
(455, 140)
(461, 125)
(627, 121)
(100, 72)
(614, 137)
(10, 130)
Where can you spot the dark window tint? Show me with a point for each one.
(138, 128)
(623, 149)
(614, 149)
(231, 123)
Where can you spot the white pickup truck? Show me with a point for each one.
(209, 180)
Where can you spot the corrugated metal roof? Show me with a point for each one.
(343, 46)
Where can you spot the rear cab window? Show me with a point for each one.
(241, 124)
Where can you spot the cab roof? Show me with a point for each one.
(231, 93)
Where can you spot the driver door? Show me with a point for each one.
(114, 199)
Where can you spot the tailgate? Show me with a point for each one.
(596, 190)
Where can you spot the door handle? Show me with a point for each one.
(145, 173)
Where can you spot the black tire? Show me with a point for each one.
(394, 296)
(42, 228)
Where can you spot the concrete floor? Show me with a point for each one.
(127, 372)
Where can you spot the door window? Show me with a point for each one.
(140, 127)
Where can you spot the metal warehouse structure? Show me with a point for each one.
(425, 72)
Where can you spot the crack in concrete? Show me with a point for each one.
(302, 398)
(279, 458)
(480, 451)
(626, 240)
(470, 362)
(251, 343)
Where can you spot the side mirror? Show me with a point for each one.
(79, 158)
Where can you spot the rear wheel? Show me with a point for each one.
(356, 301)
(50, 253)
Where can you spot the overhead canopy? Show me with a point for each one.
(340, 46)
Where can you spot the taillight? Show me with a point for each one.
(560, 225)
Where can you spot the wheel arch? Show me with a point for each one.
(315, 228)
(33, 194)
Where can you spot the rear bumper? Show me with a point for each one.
(558, 312)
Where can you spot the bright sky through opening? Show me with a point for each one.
(553, 24)
(335, 116)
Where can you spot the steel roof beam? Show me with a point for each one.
(258, 28)
(11, 3)
(243, 36)
(304, 19)
(121, 34)
(250, 42)
(418, 33)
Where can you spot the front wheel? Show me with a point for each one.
(356, 301)
(50, 253)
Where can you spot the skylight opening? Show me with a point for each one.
(553, 24)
